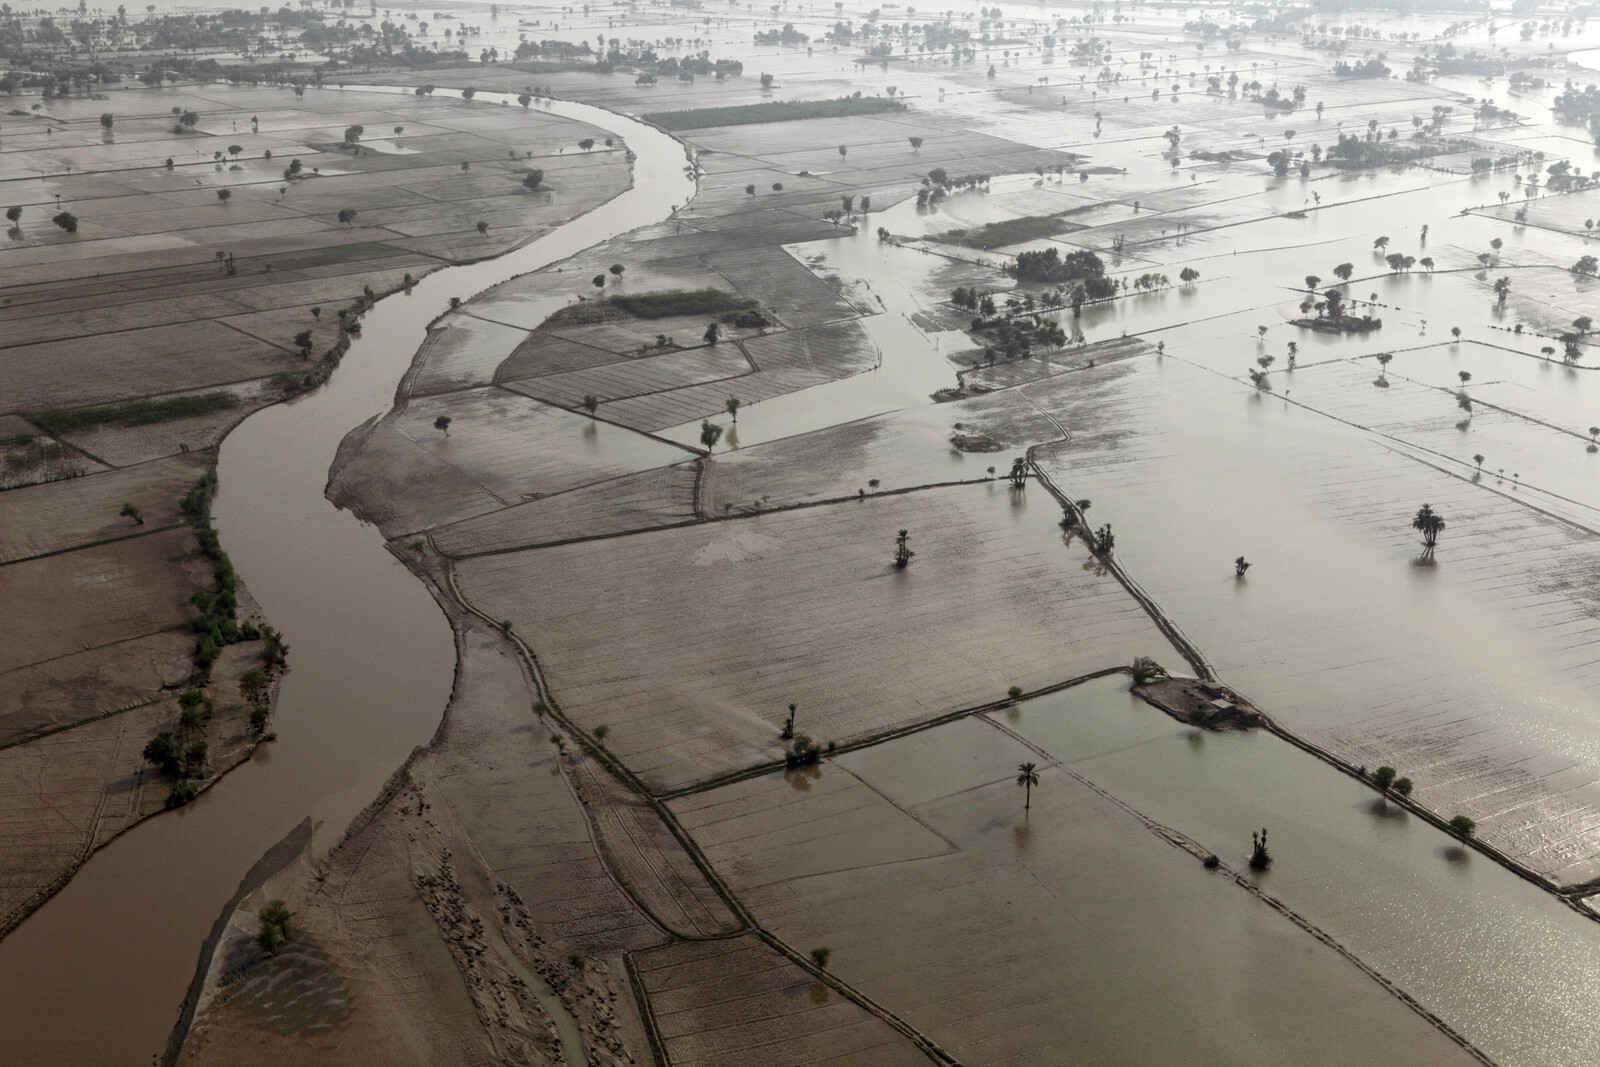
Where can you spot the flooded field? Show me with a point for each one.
(1513, 971)
(667, 531)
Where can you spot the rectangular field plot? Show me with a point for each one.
(690, 643)
(1471, 670)
(739, 1001)
(1068, 934)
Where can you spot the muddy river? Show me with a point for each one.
(96, 975)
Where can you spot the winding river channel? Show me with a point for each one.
(96, 976)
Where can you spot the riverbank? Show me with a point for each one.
(182, 869)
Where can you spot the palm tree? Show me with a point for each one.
(1502, 287)
(1428, 524)
(902, 550)
(1027, 778)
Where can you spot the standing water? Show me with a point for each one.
(96, 976)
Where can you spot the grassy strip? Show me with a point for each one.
(771, 111)
(133, 412)
(665, 304)
(1009, 232)
(670, 302)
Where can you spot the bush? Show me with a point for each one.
(181, 793)
(804, 753)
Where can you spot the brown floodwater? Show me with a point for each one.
(97, 974)
(1510, 968)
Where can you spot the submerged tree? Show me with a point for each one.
(1019, 473)
(591, 404)
(902, 550)
(1240, 565)
(1428, 524)
(1260, 858)
(733, 406)
(131, 511)
(1027, 778)
(1104, 541)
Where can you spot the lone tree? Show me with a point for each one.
(713, 333)
(1027, 778)
(483, 227)
(733, 405)
(591, 404)
(1462, 826)
(1146, 670)
(617, 269)
(533, 179)
(819, 956)
(1428, 524)
(131, 511)
(67, 221)
(13, 215)
(902, 550)
(442, 424)
(107, 120)
(224, 195)
(710, 434)
(916, 144)
(347, 215)
(302, 340)
(586, 144)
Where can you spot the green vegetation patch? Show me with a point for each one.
(772, 111)
(133, 412)
(1010, 232)
(671, 302)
